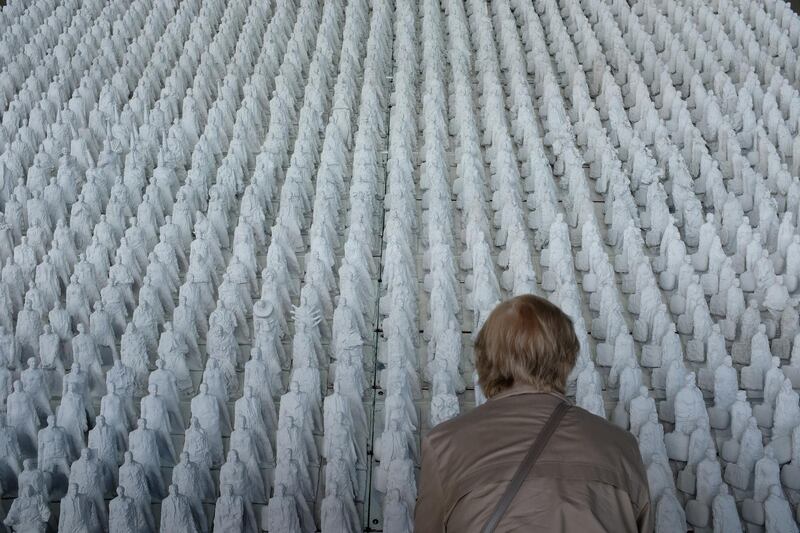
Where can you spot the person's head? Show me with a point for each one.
(525, 340)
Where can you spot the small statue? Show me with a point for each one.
(21, 415)
(669, 513)
(187, 476)
(53, 455)
(106, 445)
(249, 406)
(176, 513)
(78, 512)
(254, 454)
(234, 473)
(72, 416)
(444, 402)
(28, 514)
(33, 477)
(51, 355)
(195, 443)
(133, 479)
(10, 455)
(154, 412)
(397, 516)
(173, 352)
(143, 444)
(787, 411)
(85, 352)
(92, 480)
(709, 478)
(338, 512)
(767, 473)
(282, 511)
(123, 516)
(35, 382)
(751, 449)
(724, 513)
(726, 387)
(168, 390)
(690, 414)
(640, 409)
(778, 516)
(205, 409)
(118, 415)
(232, 514)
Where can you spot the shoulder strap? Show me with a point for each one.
(525, 467)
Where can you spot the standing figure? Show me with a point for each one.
(78, 512)
(176, 513)
(123, 517)
(133, 478)
(22, 416)
(143, 444)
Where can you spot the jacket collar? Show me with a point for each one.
(523, 388)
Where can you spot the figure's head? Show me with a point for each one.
(525, 340)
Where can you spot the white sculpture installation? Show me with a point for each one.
(174, 178)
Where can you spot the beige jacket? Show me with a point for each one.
(589, 478)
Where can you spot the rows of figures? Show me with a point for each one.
(246, 247)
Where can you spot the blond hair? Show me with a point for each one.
(525, 340)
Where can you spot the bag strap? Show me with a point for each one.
(525, 467)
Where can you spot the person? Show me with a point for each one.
(589, 475)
